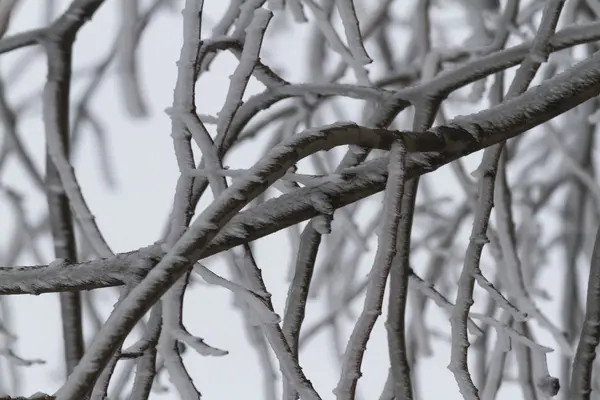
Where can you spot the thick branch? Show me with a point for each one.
(507, 120)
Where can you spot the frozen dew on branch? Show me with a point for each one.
(321, 202)
(238, 194)
(179, 259)
(208, 119)
(313, 197)
(282, 151)
(322, 224)
(237, 230)
(57, 263)
(39, 396)
(343, 125)
(396, 168)
(372, 176)
(355, 149)
(253, 178)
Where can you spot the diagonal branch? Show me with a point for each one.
(499, 123)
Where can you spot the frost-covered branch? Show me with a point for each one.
(537, 105)
(386, 250)
(590, 332)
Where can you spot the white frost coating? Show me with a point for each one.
(208, 119)
(318, 132)
(238, 231)
(371, 176)
(396, 168)
(337, 178)
(254, 178)
(179, 259)
(238, 195)
(342, 124)
(281, 151)
(474, 130)
(165, 247)
(423, 159)
(538, 57)
(59, 262)
(322, 224)
(479, 239)
(354, 149)
(179, 135)
(211, 226)
(321, 203)
(39, 394)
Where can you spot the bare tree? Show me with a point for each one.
(396, 97)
